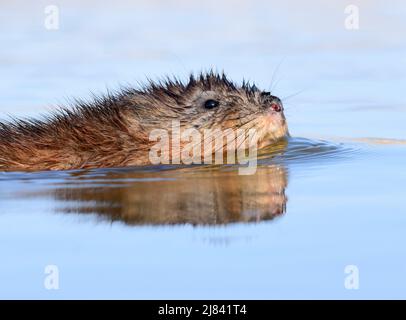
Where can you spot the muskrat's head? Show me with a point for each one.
(211, 101)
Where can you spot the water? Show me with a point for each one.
(332, 196)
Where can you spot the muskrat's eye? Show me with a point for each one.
(210, 104)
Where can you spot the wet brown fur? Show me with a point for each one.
(113, 130)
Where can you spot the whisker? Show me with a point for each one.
(293, 95)
(272, 86)
(277, 82)
(289, 106)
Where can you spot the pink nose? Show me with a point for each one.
(276, 107)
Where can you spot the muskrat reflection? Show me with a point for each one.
(205, 197)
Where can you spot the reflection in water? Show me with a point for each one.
(198, 195)
(206, 197)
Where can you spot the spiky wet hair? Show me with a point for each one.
(104, 106)
(206, 81)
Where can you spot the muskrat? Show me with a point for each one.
(113, 130)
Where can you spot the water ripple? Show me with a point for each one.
(293, 151)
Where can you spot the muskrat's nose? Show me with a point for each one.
(276, 104)
(276, 107)
(272, 102)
